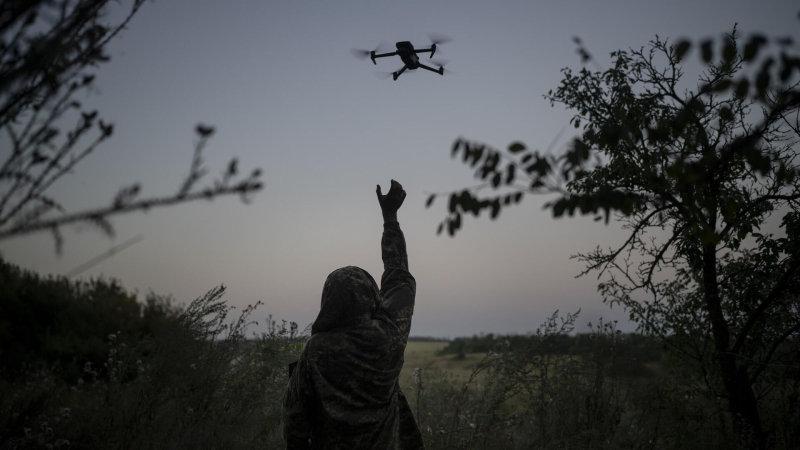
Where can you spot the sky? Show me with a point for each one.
(278, 83)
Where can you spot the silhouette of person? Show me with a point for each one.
(343, 392)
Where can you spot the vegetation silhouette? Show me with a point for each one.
(49, 51)
(693, 175)
(83, 364)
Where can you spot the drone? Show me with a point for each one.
(408, 54)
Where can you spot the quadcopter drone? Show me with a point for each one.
(408, 54)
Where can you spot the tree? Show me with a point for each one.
(49, 50)
(693, 174)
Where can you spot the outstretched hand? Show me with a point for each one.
(392, 201)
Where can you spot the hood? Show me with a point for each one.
(349, 298)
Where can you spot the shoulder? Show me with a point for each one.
(314, 346)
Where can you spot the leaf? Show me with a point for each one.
(756, 159)
(516, 147)
(752, 47)
(729, 52)
(456, 222)
(763, 78)
(559, 207)
(726, 114)
(496, 180)
(429, 202)
(706, 50)
(495, 209)
(742, 88)
(455, 148)
(681, 49)
(440, 228)
(510, 173)
(204, 131)
(787, 64)
(467, 152)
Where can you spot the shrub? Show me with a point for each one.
(188, 379)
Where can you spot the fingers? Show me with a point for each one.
(396, 185)
(396, 189)
(378, 192)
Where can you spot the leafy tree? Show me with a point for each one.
(49, 50)
(693, 173)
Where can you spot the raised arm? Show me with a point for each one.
(398, 286)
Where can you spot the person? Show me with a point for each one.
(343, 392)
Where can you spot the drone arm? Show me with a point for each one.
(399, 72)
(440, 71)
(381, 55)
(426, 50)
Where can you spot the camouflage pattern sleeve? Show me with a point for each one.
(398, 286)
(296, 407)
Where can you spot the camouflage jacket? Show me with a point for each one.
(343, 392)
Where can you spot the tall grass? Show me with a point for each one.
(536, 397)
(193, 383)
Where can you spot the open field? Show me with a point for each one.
(424, 355)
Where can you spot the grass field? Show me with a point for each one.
(423, 355)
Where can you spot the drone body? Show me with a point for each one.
(407, 53)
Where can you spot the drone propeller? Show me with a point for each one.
(364, 54)
(442, 63)
(438, 38)
(359, 53)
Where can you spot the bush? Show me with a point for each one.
(171, 378)
(60, 325)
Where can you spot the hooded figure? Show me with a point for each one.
(343, 392)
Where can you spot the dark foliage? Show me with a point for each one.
(635, 346)
(693, 173)
(86, 366)
(61, 325)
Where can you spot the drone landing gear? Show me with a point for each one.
(399, 72)
(440, 71)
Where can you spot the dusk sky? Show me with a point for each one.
(278, 82)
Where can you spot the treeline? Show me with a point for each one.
(633, 346)
(427, 339)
